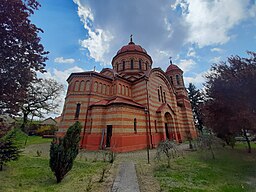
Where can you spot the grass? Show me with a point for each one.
(22, 138)
(231, 171)
(31, 173)
(34, 174)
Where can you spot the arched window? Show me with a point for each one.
(161, 92)
(117, 67)
(146, 66)
(135, 125)
(164, 98)
(119, 89)
(100, 88)
(123, 65)
(171, 80)
(104, 89)
(123, 90)
(76, 88)
(87, 85)
(126, 91)
(131, 63)
(178, 79)
(78, 106)
(95, 86)
(139, 64)
(82, 85)
(158, 95)
(108, 90)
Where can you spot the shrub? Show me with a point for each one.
(169, 149)
(63, 152)
(9, 151)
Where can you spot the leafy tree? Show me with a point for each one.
(42, 97)
(9, 150)
(230, 88)
(196, 100)
(21, 54)
(64, 151)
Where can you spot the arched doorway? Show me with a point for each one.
(168, 125)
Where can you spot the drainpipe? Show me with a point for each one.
(151, 145)
(87, 111)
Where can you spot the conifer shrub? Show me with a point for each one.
(63, 152)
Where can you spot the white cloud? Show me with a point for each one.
(191, 52)
(186, 64)
(198, 79)
(62, 60)
(210, 22)
(98, 40)
(215, 60)
(216, 49)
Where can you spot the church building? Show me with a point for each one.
(130, 106)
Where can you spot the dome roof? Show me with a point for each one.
(131, 47)
(172, 67)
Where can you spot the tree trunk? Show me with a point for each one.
(24, 123)
(248, 141)
(1, 167)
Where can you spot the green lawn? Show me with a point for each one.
(231, 171)
(22, 138)
(31, 173)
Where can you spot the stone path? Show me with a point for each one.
(126, 180)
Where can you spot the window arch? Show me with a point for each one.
(95, 86)
(171, 80)
(135, 125)
(119, 89)
(161, 93)
(146, 66)
(123, 65)
(108, 90)
(131, 63)
(82, 85)
(123, 90)
(87, 85)
(100, 88)
(104, 89)
(76, 88)
(178, 79)
(164, 97)
(78, 106)
(158, 95)
(140, 64)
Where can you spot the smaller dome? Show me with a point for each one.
(173, 67)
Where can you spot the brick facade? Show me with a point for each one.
(129, 107)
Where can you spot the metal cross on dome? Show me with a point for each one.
(131, 38)
(170, 60)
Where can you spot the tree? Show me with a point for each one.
(21, 54)
(64, 151)
(42, 97)
(196, 100)
(230, 88)
(9, 151)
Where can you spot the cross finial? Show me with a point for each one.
(170, 60)
(131, 38)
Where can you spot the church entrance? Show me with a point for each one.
(166, 131)
(168, 122)
(109, 135)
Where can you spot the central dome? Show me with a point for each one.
(131, 47)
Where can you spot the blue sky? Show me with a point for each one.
(81, 34)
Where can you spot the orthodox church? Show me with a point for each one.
(130, 106)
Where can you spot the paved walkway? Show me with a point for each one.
(126, 180)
